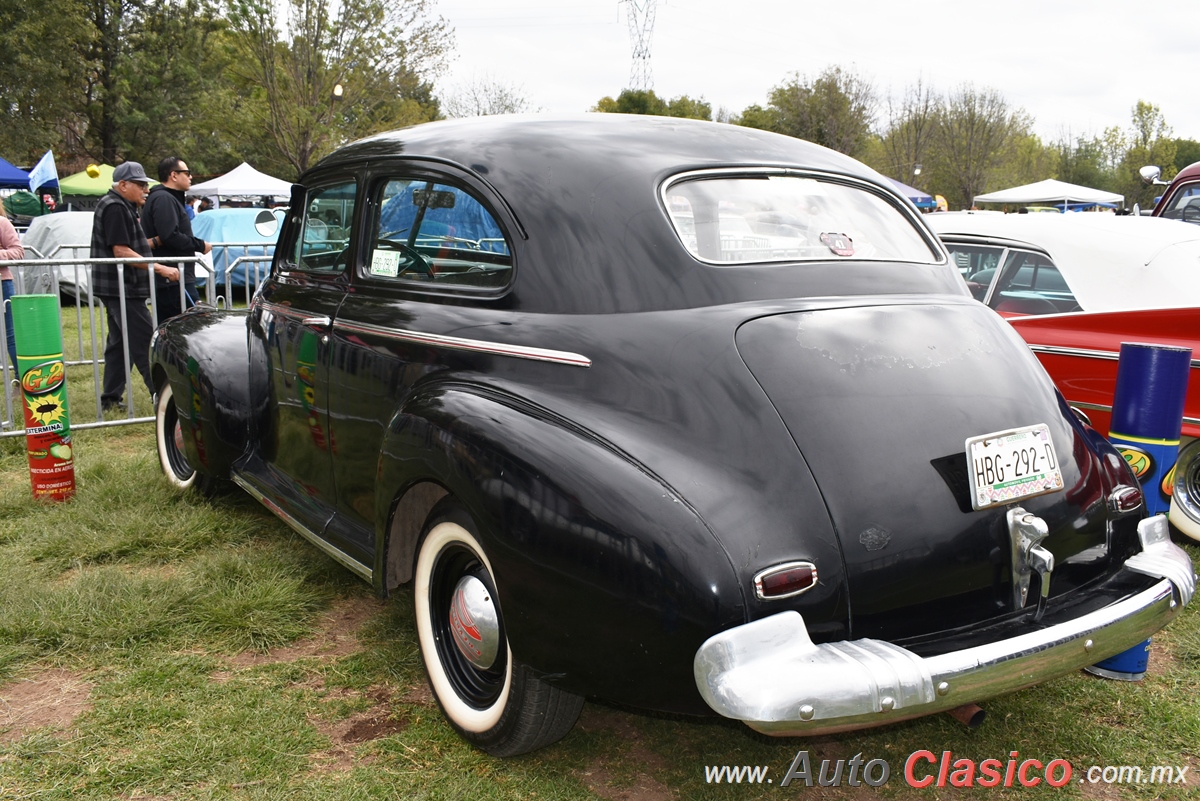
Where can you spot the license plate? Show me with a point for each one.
(1009, 465)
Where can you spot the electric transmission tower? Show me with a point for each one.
(641, 28)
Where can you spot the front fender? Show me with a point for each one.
(203, 355)
(608, 580)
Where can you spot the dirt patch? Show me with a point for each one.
(371, 724)
(336, 637)
(597, 717)
(419, 695)
(50, 699)
(601, 781)
(644, 788)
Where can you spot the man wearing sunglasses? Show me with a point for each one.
(169, 229)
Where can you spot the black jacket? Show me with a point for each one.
(165, 216)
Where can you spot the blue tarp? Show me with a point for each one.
(1086, 206)
(919, 198)
(234, 225)
(467, 219)
(12, 177)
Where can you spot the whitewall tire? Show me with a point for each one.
(494, 702)
(169, 435)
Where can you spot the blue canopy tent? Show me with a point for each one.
(919, 198)
(12, 177)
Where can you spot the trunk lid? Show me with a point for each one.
(880, 400)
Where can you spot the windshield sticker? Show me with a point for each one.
(840, 244)
(385, 263)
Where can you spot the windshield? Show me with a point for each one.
(735, 219)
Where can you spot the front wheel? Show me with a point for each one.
(492, 701)
(169, 436)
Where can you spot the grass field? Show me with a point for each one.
(154, 646)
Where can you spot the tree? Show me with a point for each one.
(836, 109)
(175, 70)
(976, 133)
(39, 83)
(483, 96)
(910, 131)
(341, 70)
(1150, 142)
(645, 101)
(1187, 153)
(1083, 162)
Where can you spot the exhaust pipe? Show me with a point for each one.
(969, 715)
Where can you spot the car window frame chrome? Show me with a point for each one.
(930, 239)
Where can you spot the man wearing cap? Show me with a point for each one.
(117, 233)
(169, 229)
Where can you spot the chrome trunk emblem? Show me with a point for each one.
(1026, 532)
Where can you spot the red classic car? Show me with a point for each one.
(1075, 286)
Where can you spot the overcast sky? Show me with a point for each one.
(1077, 67)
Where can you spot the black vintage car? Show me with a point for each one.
(681, 415)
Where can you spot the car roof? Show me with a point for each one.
(1110, 262)
(520, 144)
(582, 196)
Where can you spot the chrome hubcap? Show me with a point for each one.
(474, 623)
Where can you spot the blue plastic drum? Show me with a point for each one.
(1126, 666)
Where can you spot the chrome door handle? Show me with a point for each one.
(317, 322)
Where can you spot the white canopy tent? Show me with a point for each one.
(1050, 191)
(242, 181)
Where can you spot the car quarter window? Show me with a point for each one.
(323, 244)
(434, 233)
(735, 219)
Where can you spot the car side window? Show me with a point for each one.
(1032, 284)
(437, 234)
(324, 242)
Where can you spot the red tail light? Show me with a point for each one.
(786, 580)
(1125, 499)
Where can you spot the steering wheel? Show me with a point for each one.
(1190, 213)
(413, 262)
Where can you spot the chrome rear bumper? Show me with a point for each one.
(771, 676)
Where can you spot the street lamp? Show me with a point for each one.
(337, 91)
(916, 172)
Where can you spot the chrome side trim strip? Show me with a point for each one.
(472, 345)
(1081, 352)
(1087, 354)
(1194, 421)
(346, 561)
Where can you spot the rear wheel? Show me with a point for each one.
(494, 702)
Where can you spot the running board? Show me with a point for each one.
(343, 559)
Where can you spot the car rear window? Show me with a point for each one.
(737, 219)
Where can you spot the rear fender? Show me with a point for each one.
(594, 555)
(203, 355)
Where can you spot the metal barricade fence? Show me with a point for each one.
(90, 320)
